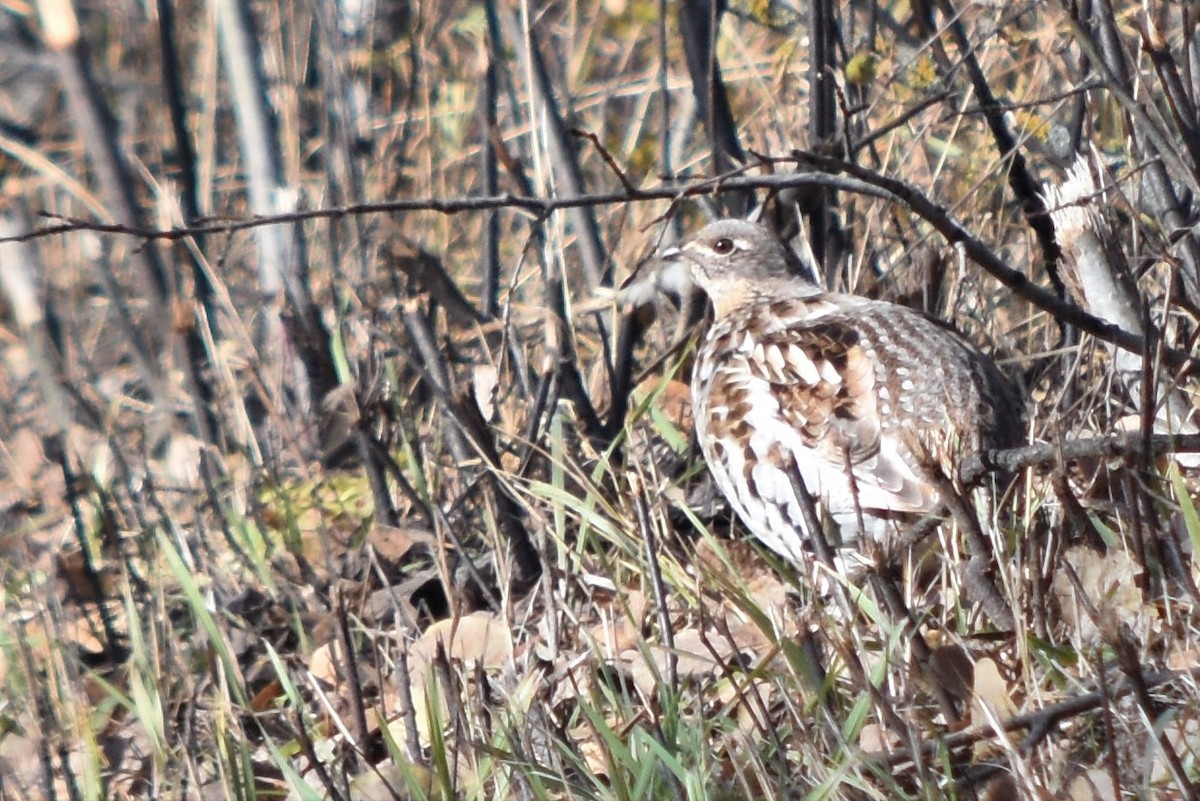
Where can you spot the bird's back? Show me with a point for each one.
(931, 381)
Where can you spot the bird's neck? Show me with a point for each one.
(730, 296)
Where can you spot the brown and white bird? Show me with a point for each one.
(792, 378)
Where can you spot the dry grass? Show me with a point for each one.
(240, 617)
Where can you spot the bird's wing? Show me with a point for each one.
(804, 393)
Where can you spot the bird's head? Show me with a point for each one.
(734, 259)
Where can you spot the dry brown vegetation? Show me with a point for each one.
(413, 512)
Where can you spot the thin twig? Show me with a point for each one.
(1112, 446)
(861, 180)
(1040, 721)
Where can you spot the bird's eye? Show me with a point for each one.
(723, 247)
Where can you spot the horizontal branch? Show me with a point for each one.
(539, 206)
(1109, 447)
(832, 173)
(1039, 720)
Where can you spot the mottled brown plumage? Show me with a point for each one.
(792, 379)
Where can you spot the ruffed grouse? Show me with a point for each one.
(792, 378)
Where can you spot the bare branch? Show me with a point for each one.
(1115, 445)
(861, 180)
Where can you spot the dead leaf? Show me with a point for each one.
(323, 664)
(484, 381)
(478, 639)
(181, 463)
(1095, 784)
(25, 460)
(991, 703)
(950, 666)
(1109, 580)
(876, 739)
(754, 701)
(694, 659)
(401, 600)
(590, 746)
(748, 638)
(21, 765)
(642, 672)
(701, 655)
(990, 690)
(674, 401)
(1183, 735)
(1001, 788)
(1178, 659)
(264, 698)
(620, 631)
(392, 543)
(76, 581)
(387, 782)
